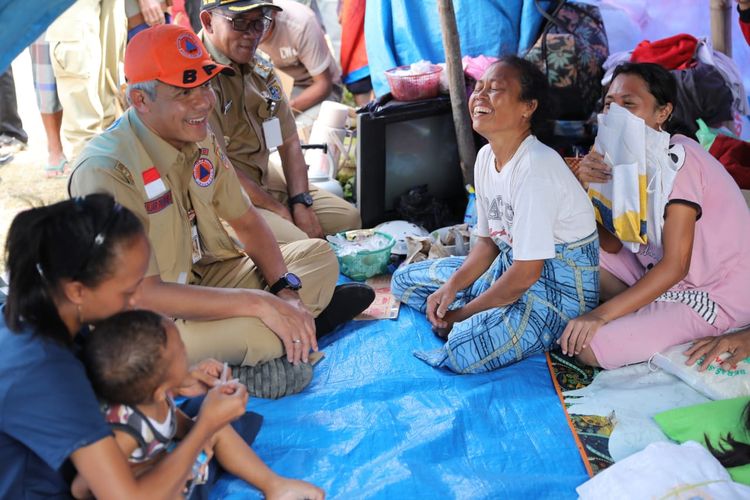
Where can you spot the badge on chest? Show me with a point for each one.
(204, 172)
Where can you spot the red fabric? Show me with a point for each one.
(745, 27)
(734, 154)
(353, 51)
(179, 15)
(675, 52)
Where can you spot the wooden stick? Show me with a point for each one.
(721, 26)
(461, 120)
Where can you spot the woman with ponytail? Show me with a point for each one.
(71, 264)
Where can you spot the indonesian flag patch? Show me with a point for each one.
(153, 183)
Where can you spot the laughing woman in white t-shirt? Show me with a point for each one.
(535, 263)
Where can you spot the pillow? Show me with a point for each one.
(715, 382)
(715, 419)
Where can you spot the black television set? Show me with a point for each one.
(401, 145)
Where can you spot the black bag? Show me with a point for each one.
(571, 51)
(418, 206)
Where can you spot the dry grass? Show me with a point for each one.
(23, 185)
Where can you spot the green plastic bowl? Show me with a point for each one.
(366, 263)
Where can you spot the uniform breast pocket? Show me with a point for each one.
(264, 111)
(170, 241)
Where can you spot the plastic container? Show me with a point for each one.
(363, 264)
(413, 87)
(470, 216)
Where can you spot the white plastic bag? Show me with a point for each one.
(715, 382)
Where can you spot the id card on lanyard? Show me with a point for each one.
(197, 254)
(272, 128)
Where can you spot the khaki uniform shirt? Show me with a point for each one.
(297, 45)
(242, 105)
(166, 189)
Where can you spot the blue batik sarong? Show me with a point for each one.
(491, 339)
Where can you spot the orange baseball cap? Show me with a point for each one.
(171, 54)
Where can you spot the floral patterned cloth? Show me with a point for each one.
(592, 431)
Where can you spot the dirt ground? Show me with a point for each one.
(22, 181)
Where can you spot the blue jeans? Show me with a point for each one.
(247, 426)
(491, 339)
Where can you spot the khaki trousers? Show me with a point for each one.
(113, 35)
(246, 340)
(335, 214)
(86, 66)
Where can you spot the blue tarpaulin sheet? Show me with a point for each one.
(23, 22)
(378, 423)
(401, 32)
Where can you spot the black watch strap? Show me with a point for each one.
(288, 280)
(304, 198)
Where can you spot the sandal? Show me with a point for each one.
(59, 170)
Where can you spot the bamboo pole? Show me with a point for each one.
(461, 120)
(721, 26)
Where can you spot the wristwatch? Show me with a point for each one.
(305, 198)
(288, 280)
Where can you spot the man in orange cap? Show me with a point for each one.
(255, 117)
(245, 302)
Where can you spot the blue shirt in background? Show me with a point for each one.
(48, 410)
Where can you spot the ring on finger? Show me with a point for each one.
(296, 341)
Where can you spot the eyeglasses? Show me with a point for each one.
(258, 26)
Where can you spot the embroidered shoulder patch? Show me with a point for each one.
(274, 89)
(123, 171)
(158, 204)
(203, 172)
(262, 67)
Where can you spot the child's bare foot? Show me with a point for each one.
(292, 489)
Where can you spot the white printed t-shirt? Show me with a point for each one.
(533, 203)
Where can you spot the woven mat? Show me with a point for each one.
(590, 432)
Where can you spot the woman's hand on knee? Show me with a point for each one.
(593, 169)
(579, 332)
(437, 306)
(736, 344)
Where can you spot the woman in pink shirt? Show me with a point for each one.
(696, 283)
